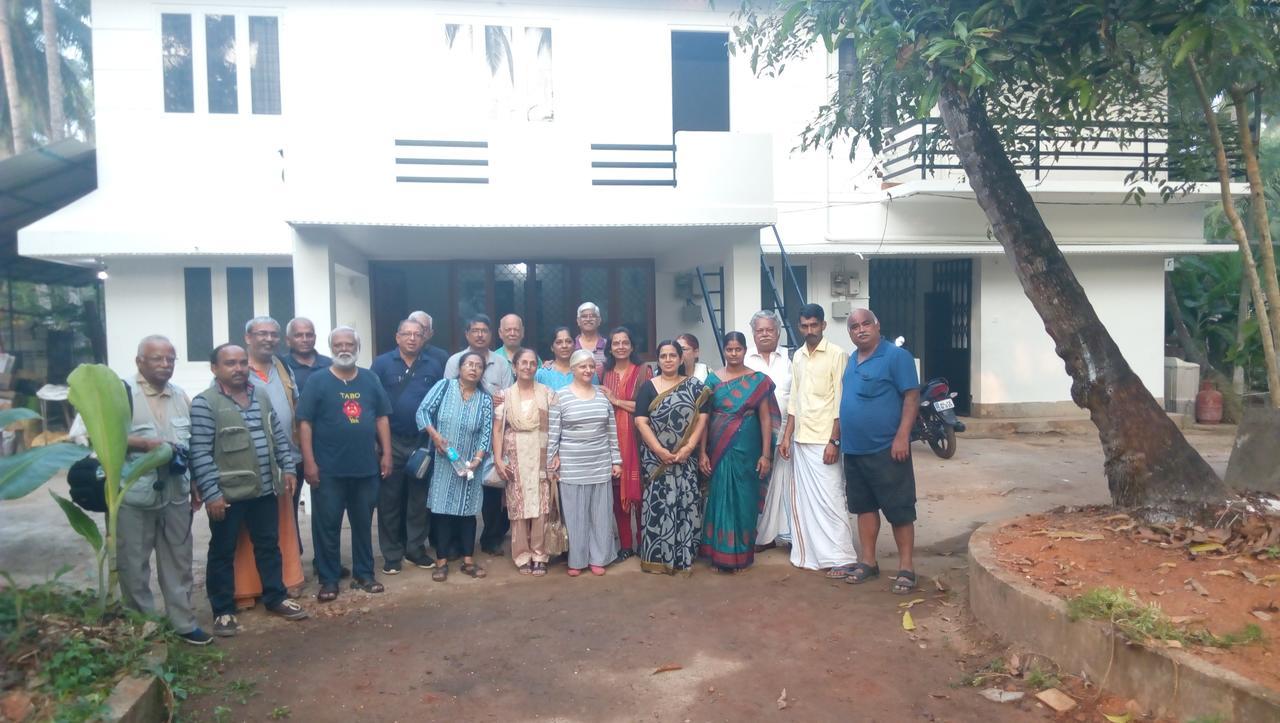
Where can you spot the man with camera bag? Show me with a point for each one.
(155, 515)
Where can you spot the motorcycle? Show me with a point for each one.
(936, 422)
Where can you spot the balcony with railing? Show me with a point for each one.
(538, 176)
(1119, 153)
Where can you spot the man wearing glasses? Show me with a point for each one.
(589, 337)
(407, 374)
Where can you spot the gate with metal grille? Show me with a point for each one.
(947, 327)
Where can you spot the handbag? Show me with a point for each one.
(419, 463)
(555, 538)
(491, 478)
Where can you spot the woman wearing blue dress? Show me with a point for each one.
(457, 414)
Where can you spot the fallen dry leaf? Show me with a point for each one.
(913, 603)
(1264, 617)
(1118, 717)
(1184, 619)
(1250, 576)
(782, 699)
(1206, 547)
(907, 622)
(1222, 573)
(938, 584)
(1195, 585)
(1166, 564)
(1115, 517)
(1172, 644)
(667, 668)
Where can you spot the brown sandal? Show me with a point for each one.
(441, 573)
(474, 570)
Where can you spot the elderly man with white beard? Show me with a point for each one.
(345, 436)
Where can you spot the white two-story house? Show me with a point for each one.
(351, 162)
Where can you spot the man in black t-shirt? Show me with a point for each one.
(345, 438)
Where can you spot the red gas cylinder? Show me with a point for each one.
(1208, 404)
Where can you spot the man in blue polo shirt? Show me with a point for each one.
(407, 374)
(877, 410)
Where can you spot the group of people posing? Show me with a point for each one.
(592, 449)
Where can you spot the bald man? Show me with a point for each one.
(511, 332)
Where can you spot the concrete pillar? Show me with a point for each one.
(313, 284)
(742, 281)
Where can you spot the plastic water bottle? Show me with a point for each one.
(459, 467)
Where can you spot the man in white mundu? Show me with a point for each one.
(774, 524)
(821, 536)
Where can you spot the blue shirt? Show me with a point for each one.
(302, 372)
(343, 416)
(416, 382)
(871, 404)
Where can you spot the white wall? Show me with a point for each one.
(1016, 360)
(147, 296)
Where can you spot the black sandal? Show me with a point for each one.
(861, 573)
(474, 570)
(372, 586)
(441, 573)
(904, 582)
(328, 593)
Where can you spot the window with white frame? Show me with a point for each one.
(225, 41)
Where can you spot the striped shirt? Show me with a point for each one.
(203, 431)
(584, 433)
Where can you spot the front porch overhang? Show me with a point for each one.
(903, 250)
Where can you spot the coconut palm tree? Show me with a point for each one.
(53, 64)
(17, 121)
(29, 100)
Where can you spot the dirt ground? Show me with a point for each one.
(1218, 591)
(557, 648)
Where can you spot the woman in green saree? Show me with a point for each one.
(736, 456)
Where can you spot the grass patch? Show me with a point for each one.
(995, 670)
(1142, 623)
(69, 653)
(1040, 679)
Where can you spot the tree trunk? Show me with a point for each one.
(17, 124)
(53, 63)
(1237, 229)
(1258, 205)
(1149, 464)
(1242, 315)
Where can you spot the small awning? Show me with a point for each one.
(993, 249)
(33, 185)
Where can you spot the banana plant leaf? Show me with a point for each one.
(25, 471)
(157, 457)
(80, 522)
(100, 397)
(17, 414)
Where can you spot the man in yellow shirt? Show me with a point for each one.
(821, 536)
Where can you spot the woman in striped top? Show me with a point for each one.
(582, 449)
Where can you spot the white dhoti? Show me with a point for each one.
(821, 535)
(774, 524)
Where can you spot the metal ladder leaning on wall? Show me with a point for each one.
(775, 301)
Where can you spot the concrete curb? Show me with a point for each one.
(1168, 682)
(139, 698)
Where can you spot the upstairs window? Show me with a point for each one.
(176, 62)
(264, 64)
(699, 81)
(220, 44)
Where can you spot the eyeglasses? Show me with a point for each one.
(409, 335)
(588, 315)
(157, 359)
(265, 334)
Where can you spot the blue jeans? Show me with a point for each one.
(357, 497)
(262, 517)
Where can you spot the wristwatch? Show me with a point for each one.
(836, 442)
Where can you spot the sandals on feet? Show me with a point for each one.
(372, 586)
(328, 593)
(862, 572)
(472, 569)
(904, 582)
(441, 573)
(574, 572)
(525, 569)
(539, 569)
(840, 572)
(597, 570)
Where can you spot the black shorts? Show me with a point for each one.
(875, 482)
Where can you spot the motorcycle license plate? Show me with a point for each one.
(944, 404)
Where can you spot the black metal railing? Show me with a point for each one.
(452, 157)
(777, 302)
(633, 164)
(921, 147)
(715, 311)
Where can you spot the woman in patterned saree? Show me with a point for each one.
(735, 455)
(624, 374)
(520, 425)
(671, 415)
